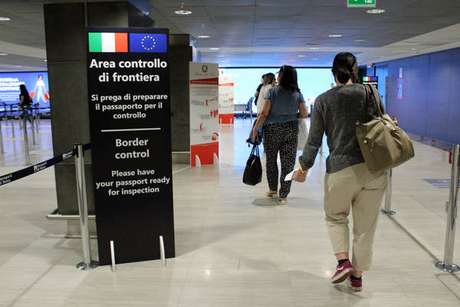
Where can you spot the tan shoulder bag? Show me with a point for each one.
(383, 143)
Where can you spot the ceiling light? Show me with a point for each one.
(375, 11)
(301, 56)
(214, 49)
(5, 18)
(203, 36)
(359, 40)
(314, 48)
(182, 10)
(335, 35)
(414, 49)
(45, 60)
(3, 54)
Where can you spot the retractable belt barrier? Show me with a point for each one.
(18, 109)
(5, 179)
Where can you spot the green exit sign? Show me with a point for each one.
(362, 3)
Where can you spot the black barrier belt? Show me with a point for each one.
(86, 147)
(18, 109)
(5, 179)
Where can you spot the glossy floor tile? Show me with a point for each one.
(234, 247)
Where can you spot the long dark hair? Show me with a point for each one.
(270, 78)
(345, 67)
(24, 92)
(288, 78)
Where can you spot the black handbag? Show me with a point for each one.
(253, 171)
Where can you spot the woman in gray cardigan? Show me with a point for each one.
(349, 185)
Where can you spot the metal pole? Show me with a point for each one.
(86, 264)
(13, 122)
(388, 194)
(32, 123)
(112, 256)
(447, 265)
(162, 251)
(26, 139)
(2, 148)
(38, 119)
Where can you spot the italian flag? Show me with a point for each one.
(108, 42)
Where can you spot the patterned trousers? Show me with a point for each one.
(280, 138)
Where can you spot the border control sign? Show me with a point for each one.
(128, 94)
(361, 3)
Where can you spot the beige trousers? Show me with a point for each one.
(357, 190)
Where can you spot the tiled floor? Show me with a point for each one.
(234, 247)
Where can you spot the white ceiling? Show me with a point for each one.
(265, 32)
(274, 32)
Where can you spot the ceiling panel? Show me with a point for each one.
(229, 2)
(231, 11)
(295, 24)
(198, 12)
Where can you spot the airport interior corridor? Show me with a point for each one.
(234, 246)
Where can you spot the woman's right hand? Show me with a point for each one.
(255, 135)
(300, 175)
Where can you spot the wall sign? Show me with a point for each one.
(226, 99)
(35, 82)
(204, 114)
(371, 80)
(361, 3)
(128, 93)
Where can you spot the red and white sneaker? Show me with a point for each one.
(342, 272)
(356, 284)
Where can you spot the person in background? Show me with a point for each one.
(349, 185)
(25, 102)
(269, 82)
(282, 107)
(256, 95)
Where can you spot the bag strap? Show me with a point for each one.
(255, 150)
(370, 90)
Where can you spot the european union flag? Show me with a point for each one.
(148, 42)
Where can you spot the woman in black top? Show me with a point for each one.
(259, 87)
(25, 102)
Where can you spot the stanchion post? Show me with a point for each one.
(162, 251)
(86, 264)
(26, 139)
(12, 124)
(447, 265)
(37, 120)
(2, 148)
(32, 123)
(112, 256)
(388, 194)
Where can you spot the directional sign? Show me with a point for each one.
(361, 3)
